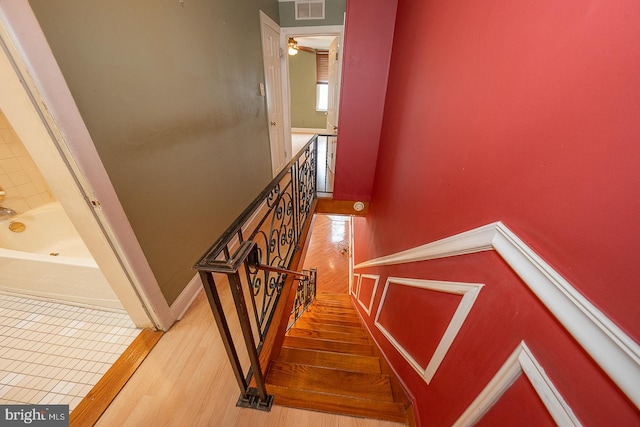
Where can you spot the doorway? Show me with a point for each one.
(44, 116)
(305, 83)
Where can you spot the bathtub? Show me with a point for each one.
(49, 260)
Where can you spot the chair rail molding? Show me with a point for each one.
(521, 361)
(613, 350)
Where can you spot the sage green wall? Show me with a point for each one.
(333, 14)
(302, 84)
(170, 95)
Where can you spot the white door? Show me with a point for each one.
(271, 55)
(334, 87)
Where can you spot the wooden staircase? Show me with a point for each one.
(329, 363)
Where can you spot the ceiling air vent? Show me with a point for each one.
(310, 9)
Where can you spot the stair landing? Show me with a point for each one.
(329, 363)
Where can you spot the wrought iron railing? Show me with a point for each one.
(254, 256)
(305, 294)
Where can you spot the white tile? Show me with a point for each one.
(111, 338)
(22, 394)
(74, 402)
(18, 178)
(68, 332)
(75, 376)
(11, 379)
(23, 368)
(87, 366)
(103, 368)
(4, 389)
(43, 366)
(63, 387)
(10, 365)
(49, 384)
(51, 399)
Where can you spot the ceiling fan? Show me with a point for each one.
(293, 47)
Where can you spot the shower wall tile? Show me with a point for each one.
(24, 185)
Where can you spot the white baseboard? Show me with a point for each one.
(186, 297)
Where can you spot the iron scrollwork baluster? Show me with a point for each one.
(268, 233)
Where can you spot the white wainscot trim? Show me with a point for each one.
(356, 284)
(616, 353)
(476, 240)
(521, 361)
(367, 307)
(469, 292)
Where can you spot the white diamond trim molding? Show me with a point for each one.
(521, 361)
(365, 307)
(469, 292)
(356, 285)
(616, 353)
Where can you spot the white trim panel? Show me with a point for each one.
(356, 284)
(375, 278)
(607, 344)
(521, 361)
(469, 292)
(352, 246)
(186, 297)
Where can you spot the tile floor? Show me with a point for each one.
(53, 353)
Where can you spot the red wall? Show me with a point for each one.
(526, 113)
(367, 50)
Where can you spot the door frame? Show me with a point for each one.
(43, 109)
(285, 33)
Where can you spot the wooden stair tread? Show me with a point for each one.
(327, 335)
(328, 302)
(333, 297)
(346, 304)
(305, 399)
(333, 320)
(319, 305)
(328, 362)
(333, 311)
(331, 381)
(327, 359)
(355, 331)
(326, 345)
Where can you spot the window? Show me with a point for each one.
(322, 97)
(322, 80)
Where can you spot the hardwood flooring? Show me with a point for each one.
(328, 252)
(186, 380)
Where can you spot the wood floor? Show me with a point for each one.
(186, 381)
(328, 253)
